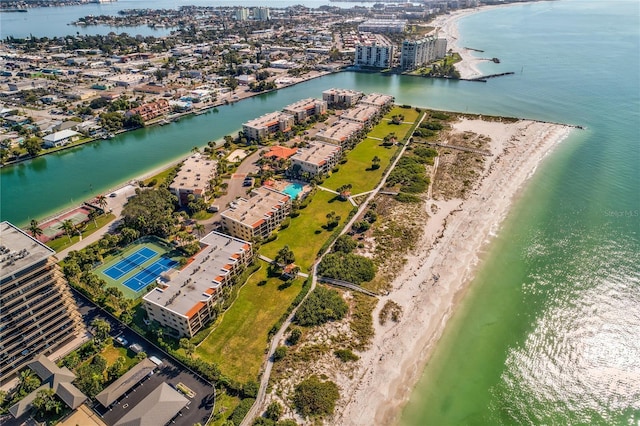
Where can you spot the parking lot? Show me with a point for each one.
(199, 407)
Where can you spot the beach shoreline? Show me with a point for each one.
(439, 271)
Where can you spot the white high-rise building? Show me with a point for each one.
(261, 13)
(374, 55)
(242, 14)
(416, 53)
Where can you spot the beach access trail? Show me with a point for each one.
(440, 269)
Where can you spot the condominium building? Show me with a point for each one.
(38, 314)
(185, 303)
(306, 108)
(416, 53)
(151, 110)
(390, 26)
(268, 124)
(362, 114)
(318, 159)
(378, 100)
(342, 133)
(258, 215)
(193, 178)
(374, 55)
(242, 14)
(261, 13)
(341, 97)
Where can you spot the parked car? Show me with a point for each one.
(122, 341)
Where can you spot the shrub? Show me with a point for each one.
(241, 411)
(345, 355)
(313, 397)
(295, 336)
(279, 353)
(274, 411)
(407, 198)
(347, 267)
(344, 244)
(323, 305)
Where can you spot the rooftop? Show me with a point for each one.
(18, 250)
(303, 104)
(128, 380)
(195, 173)
(257, 208)
(317, 153)
(157, 408)
(376, 99)
(268, 119)
(360, 113)
(280, 152)
(340, 131)
(199, 280)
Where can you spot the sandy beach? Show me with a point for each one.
(447, 27)
(439, 271)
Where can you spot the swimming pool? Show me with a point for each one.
(293, 189)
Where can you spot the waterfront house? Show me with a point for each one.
(268, 124)
(150, 110)
(193, 179)
(61, 138)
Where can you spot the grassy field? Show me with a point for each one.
(357, 171)
(112, 353)
(62, 242)
(225, 404)
(238, 342)
(302, 235)
(385, 126)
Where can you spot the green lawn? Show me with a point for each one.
(238, 343)
(62, 242)
(112, 353)
(224, 406)
(301, 236)
(357, 171)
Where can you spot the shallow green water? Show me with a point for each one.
(548, 333)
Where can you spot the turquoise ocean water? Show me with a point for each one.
(548, 332)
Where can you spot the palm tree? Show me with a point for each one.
(35, 230)
(199, 228)
(28, 381)
(375, 162)
(69, 228)
(101, 200)
(92, 216)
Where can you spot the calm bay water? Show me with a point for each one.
(548, 332)
(54, 21)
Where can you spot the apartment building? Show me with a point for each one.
(361, 114)
(306, 108)
(268, 124)
(374, 55)
(242, 14)
(317, 159)
(389, 26)
(261, 13)
(417, 53)
(377, 100)
(341, 97)
(258, 215)
(150, 110)
(193, 178)
(342, 133)
(185, 303)
(38, 314)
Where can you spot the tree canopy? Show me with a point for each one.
(323, 305)
(347, 267)
(150, 212)
(313, 397)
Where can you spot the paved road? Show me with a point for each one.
(115, 204)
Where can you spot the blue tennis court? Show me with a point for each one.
(149, 274)
(129, 263)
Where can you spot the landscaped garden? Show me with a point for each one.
(308, 232)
